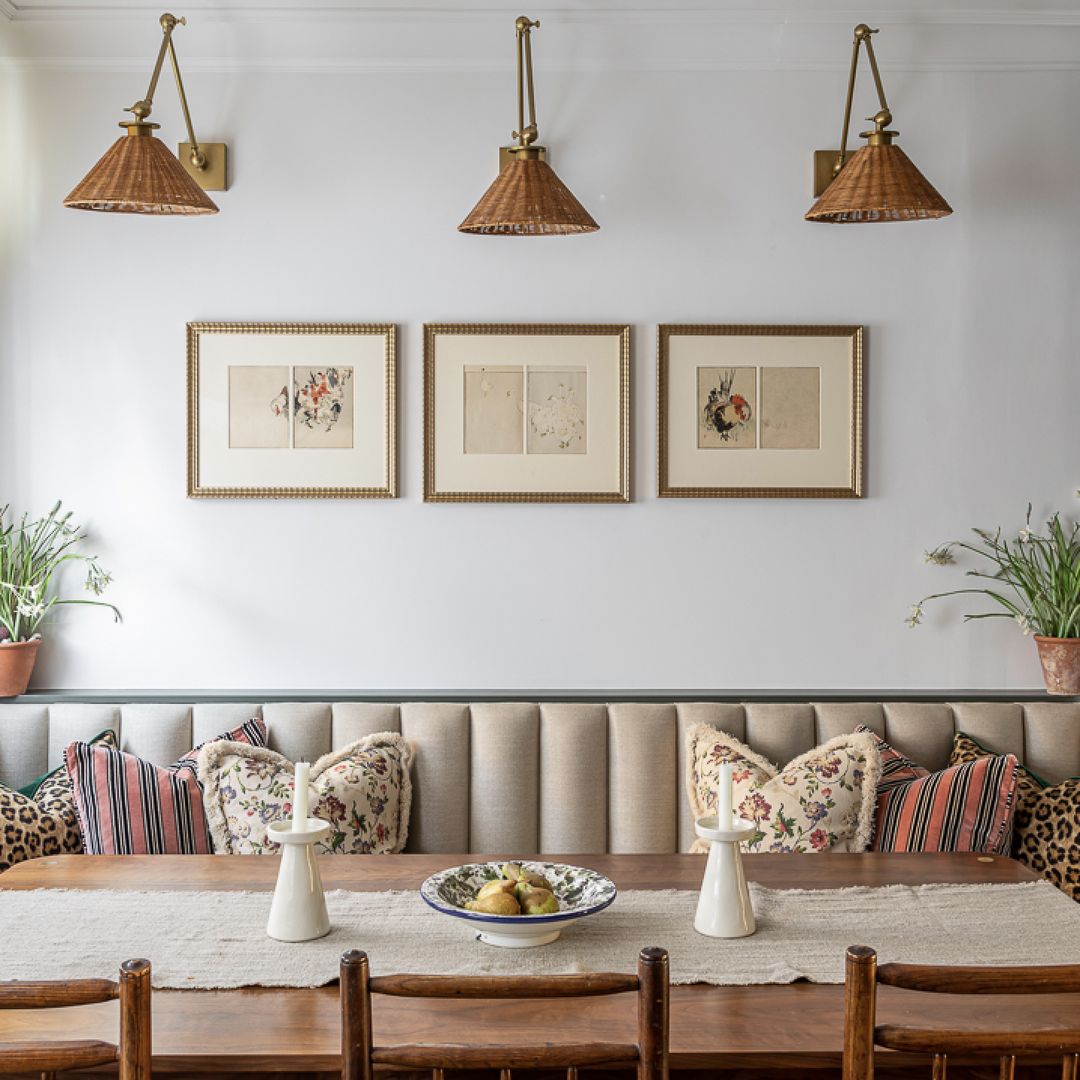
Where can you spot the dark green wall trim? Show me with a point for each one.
(49, 697)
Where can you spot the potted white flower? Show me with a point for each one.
(1036, 581)
(30, 554)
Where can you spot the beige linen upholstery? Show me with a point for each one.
(558, 778)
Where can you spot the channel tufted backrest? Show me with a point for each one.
(557, 778)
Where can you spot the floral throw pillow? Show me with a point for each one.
(363, 791)
(821, 801)
(44, 822)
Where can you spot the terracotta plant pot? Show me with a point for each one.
(1061, 664)
(16, 663)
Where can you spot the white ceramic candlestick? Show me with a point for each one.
(298, 911)
(724, 909)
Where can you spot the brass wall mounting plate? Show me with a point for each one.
(505, 156)
(824, 160)
(215, 176)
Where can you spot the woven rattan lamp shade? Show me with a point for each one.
(879, 183)
(528, 199)
(138, 175)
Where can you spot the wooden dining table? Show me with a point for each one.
(777, 1030)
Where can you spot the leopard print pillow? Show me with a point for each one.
(1046, 826)
(46, 823)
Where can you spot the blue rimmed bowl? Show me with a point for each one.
(580, 892)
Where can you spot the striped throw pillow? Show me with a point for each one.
(967, 807)
(129, 806)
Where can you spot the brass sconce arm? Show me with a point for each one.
(879, 136)
(525, 135)
(142, 109)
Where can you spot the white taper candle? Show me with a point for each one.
(300, 796)
(723, 816)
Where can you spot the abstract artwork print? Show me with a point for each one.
(494, 407)
(791, 408)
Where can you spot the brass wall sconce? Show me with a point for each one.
(879, 182)
(527, 198)
(139, 175)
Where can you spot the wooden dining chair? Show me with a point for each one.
(862, 1033)
(48, 1058)
(649, 1054)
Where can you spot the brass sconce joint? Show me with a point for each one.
(526, 134)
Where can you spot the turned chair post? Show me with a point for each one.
(860, 1002)
(136, 1037)
(653, 1008)
(356, 1038)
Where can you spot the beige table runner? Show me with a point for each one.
(210, 940)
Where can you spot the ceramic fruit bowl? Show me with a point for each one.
(580, 892)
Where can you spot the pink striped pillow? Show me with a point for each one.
(966, 807)
(128, 806)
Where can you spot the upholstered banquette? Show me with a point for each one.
(558, 778)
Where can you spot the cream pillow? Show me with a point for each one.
(821, 801)
(363, 790)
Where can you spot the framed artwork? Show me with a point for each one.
(292, 411)
(529, 413)
(760, 412)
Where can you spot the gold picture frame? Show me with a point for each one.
(291, 410)
(760, 411)
(535, 412)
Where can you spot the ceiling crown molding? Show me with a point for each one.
(732, 12)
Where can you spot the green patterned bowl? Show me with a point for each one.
(580, 892)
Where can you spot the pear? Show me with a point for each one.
(495, 903)
(501, 885)
(518, 873)
(535, 901)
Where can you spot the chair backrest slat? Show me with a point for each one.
(503, 986)
(921, 1040)
(56, 995)
(1054, 979)
(40, 1057)
(542, 1055)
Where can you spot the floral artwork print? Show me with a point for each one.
(363, 791)
(821, 801)
(557, 411)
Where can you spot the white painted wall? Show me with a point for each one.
(358, 142)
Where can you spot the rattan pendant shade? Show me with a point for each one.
(528, 199)
(879, 183)
(139, 175)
